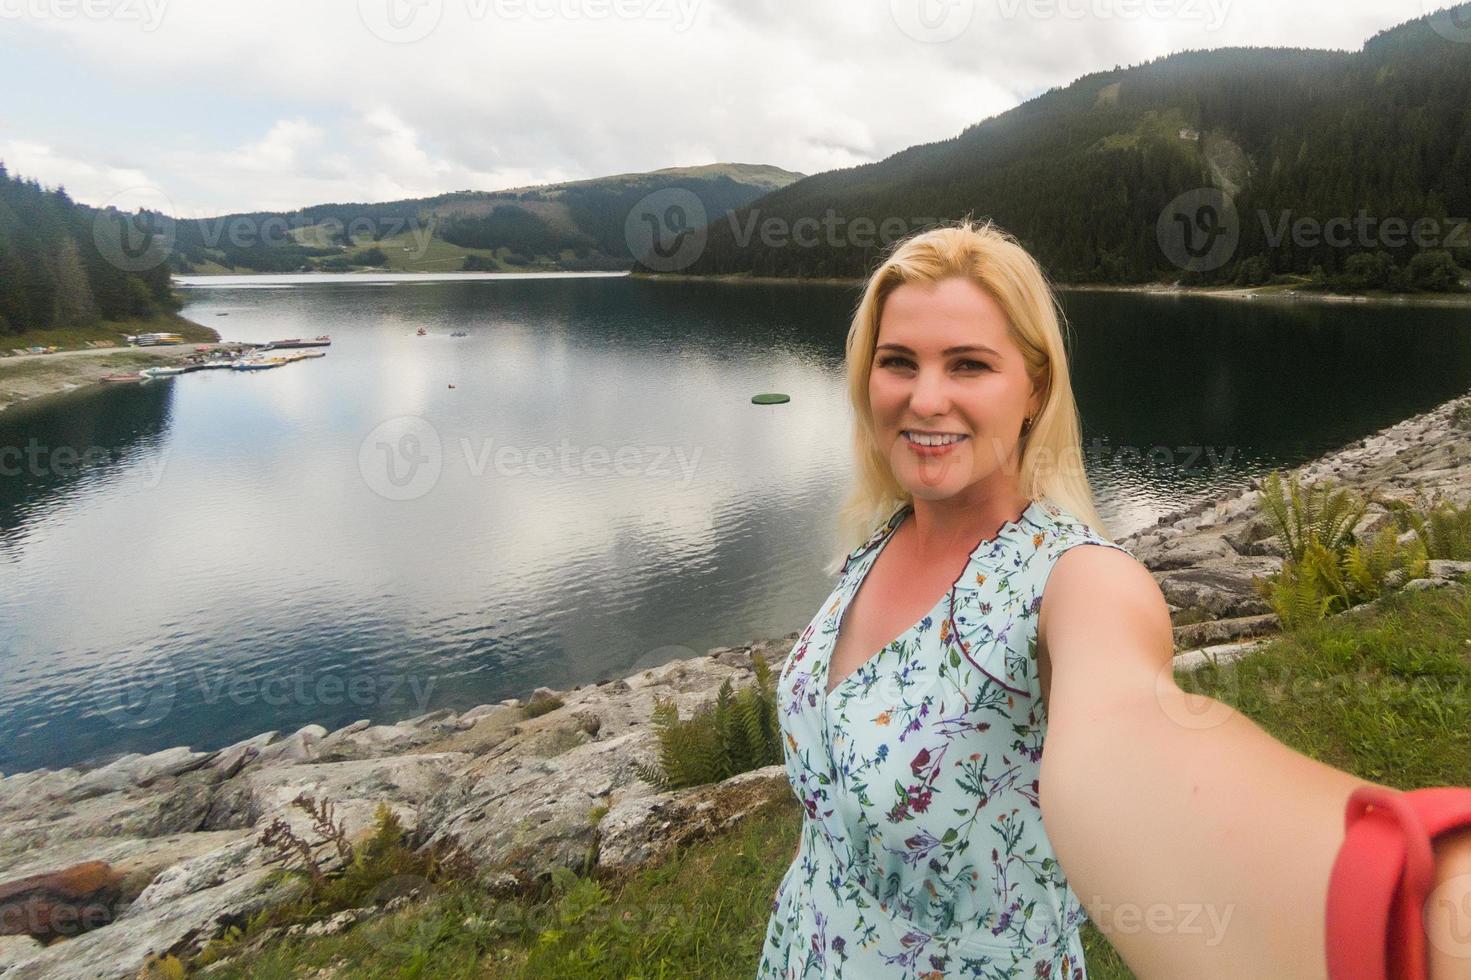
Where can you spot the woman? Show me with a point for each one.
(916, 705)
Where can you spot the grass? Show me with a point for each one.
(74, 338)
(1382, 693)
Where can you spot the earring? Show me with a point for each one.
(1026, 426)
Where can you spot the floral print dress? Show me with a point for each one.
(922, 850)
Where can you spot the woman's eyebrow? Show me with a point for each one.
(946, 352)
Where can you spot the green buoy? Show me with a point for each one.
(770, 399)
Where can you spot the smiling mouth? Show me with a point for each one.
(937, 439)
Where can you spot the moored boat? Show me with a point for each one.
(259, 364)
(322, 341)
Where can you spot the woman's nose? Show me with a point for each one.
(929, 396)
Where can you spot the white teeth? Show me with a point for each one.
(931, 440)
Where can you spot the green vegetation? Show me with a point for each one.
(1442, 528)
(67, 266)
(736, 734)
(1081, 174)
(373, 872)
(77, 337)
(1327, 568)
(540, 706)
(1383, 695)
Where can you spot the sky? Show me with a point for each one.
(205, 107)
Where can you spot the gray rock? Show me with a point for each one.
(639, 830)
(1447, 569)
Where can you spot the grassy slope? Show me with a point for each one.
(72, 338)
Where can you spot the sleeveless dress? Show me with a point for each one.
(922, 849)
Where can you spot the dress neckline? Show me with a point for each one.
(1028, 513)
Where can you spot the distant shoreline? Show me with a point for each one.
(1278, 293)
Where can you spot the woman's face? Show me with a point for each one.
(945, 365)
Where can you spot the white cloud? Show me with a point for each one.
(492, 99)
(86, 181)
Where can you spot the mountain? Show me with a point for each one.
(1087, 175)
(577, 225)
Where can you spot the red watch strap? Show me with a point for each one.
(1381, 878)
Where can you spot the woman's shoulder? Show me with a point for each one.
(878, 534)
(1057, 530)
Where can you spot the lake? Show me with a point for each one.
(576, 489)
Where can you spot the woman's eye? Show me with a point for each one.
(892, 360)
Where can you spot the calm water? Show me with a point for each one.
(196, 560)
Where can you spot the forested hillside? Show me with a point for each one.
(65, 264)
(573, 226)
(1082, 174)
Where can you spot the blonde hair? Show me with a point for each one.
(1051, 464)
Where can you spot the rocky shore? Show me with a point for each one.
(163, 851)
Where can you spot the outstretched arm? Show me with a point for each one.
(1200, 845)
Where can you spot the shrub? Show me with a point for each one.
(1327, 569)
(1320, 514)
(736, 734)
(537, 707)
(1443, 529)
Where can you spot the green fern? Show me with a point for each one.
(1319, 514)
(1327, 568)
(737, 733)
(1443, 529)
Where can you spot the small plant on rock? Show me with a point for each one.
(736, 734)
